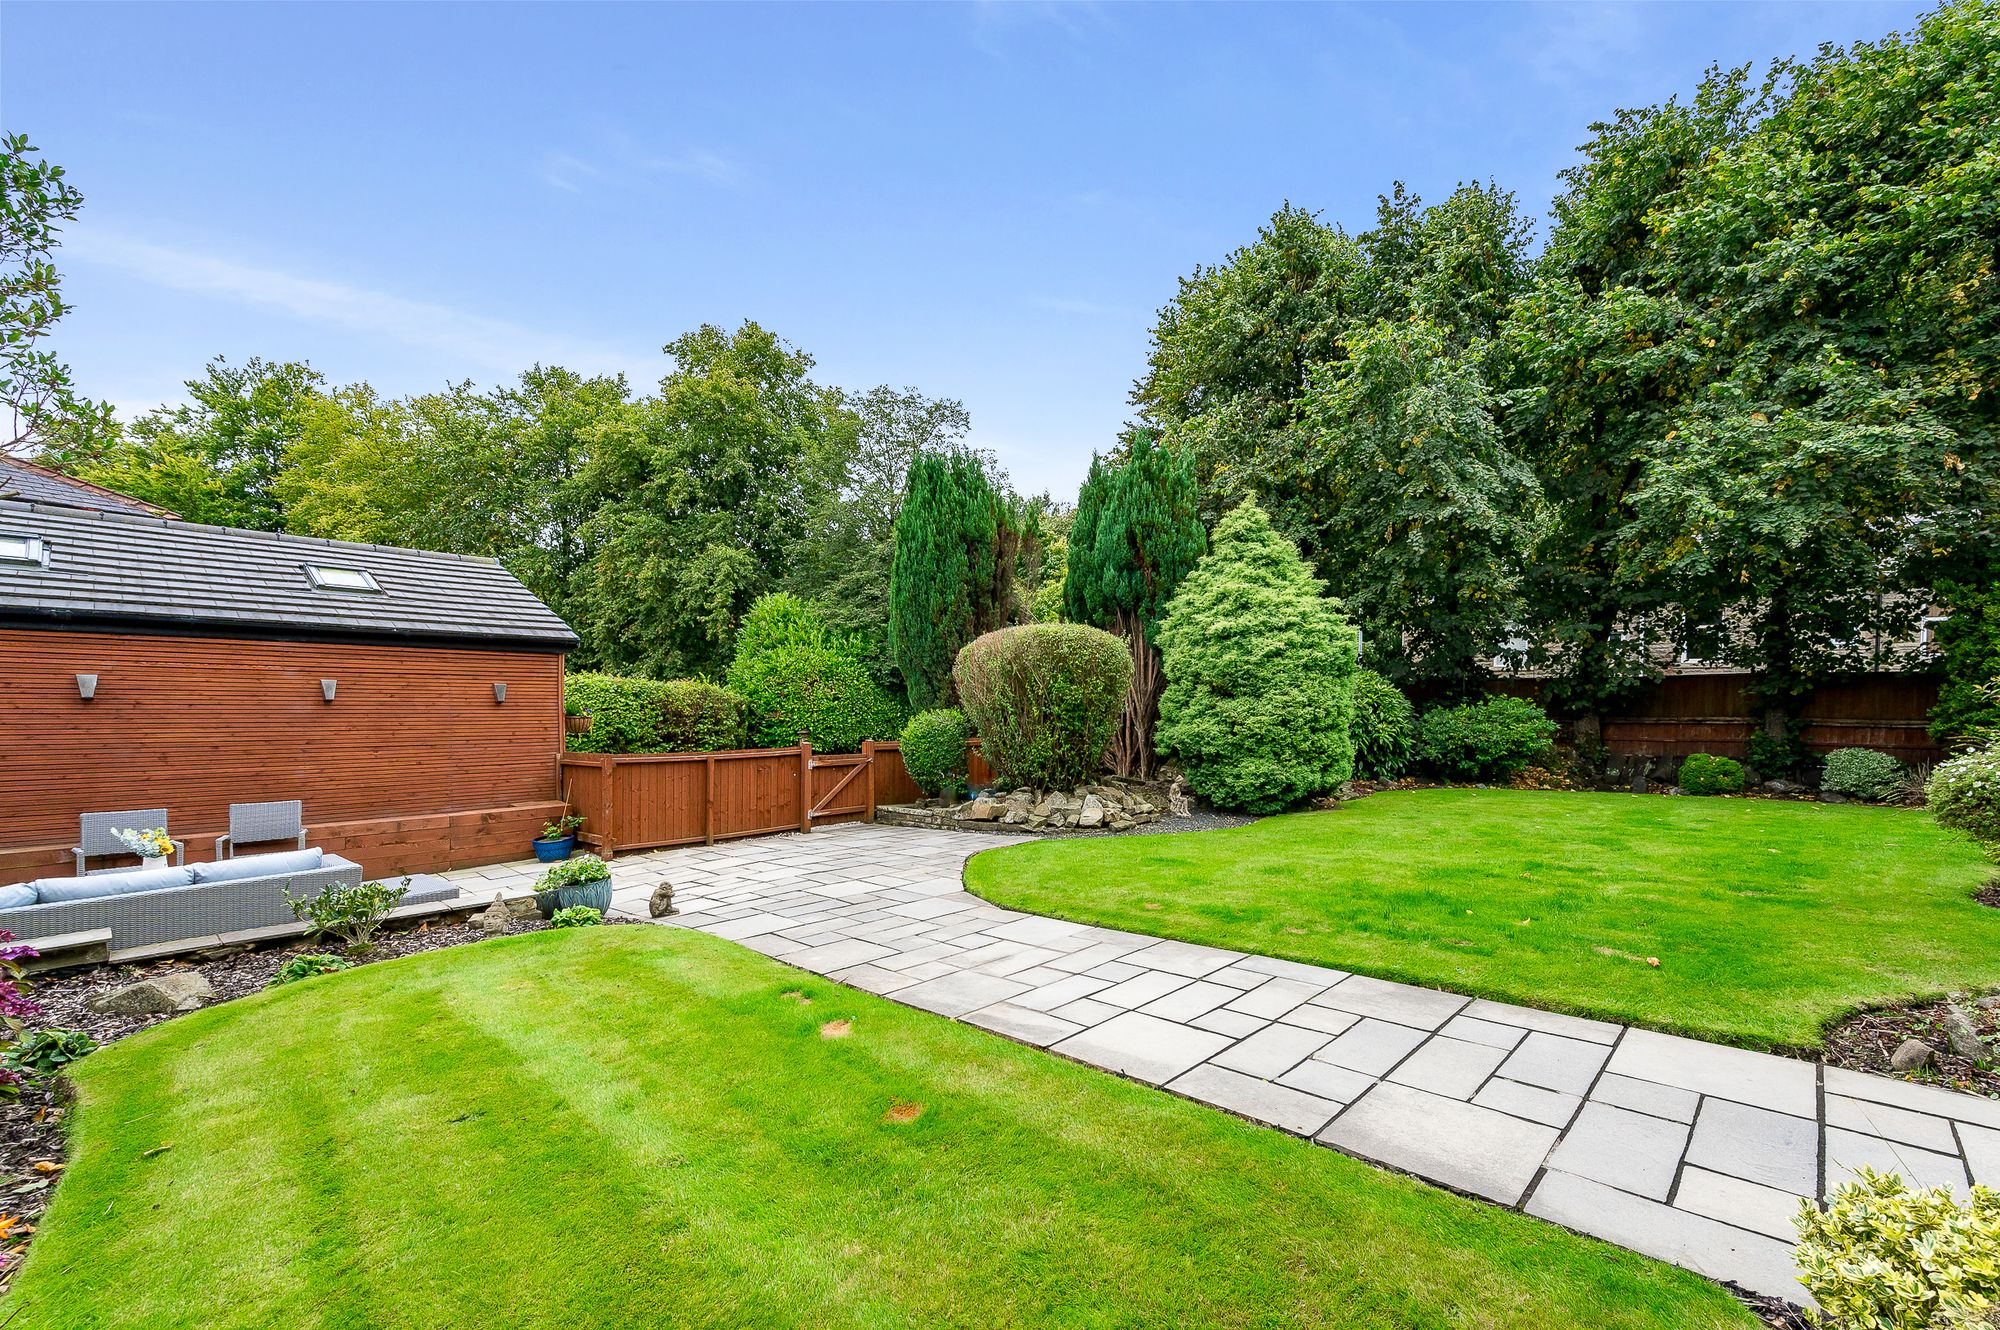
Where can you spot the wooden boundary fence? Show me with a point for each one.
(1713, 713)
(648, 801)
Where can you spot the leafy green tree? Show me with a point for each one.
(843, 559)
(1234, 353)
(1969, 698)
(221, 456)
(496, 473)
(1136, 534)
(1457, 265)
(1750, 371)
(36, 200)
(695, 496)
(1260, 672)
(1424, 513)
(952, 576)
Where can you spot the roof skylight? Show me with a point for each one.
(17, 548)
(331, 577)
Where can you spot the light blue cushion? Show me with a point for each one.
(23, 894)
(50, 890)
(259, 865)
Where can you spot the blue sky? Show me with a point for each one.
(985, 201)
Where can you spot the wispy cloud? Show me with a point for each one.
(1078, 23)
(476, 341)
(621, 160)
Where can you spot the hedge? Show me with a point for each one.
(630, 715)
(824, 692)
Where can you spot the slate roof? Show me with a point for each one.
(107, 568)
(22, 479)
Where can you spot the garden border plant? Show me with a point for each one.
(1046, 698)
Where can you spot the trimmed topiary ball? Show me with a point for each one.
(1045, 698)
(933, 745)
(1861, 773)
(1385, 728)
(1493, 740)
(1260, 673)
(1704, 773)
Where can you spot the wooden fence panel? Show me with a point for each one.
(756, 793)
(1713, 713)
(648, 801)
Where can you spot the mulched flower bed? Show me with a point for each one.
(1864, 1041)
(31, 1126)
(1773, 1312)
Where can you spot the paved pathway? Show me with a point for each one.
(1694, 1153)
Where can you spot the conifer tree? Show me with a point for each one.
(1260, 668)
(1137, 533)
(952, 576)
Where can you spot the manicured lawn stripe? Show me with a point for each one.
(1769, 919)
(637, 1127)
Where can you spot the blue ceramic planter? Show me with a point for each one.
(554, 851)
(597, 895)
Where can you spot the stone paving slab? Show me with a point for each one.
(1689, 1152)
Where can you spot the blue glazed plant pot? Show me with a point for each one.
(554, 851)
(597, 895)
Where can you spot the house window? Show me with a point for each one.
(1702, 644)
(1927, 633)
(330, 577)
(32, 550)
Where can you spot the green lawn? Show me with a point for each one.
(1768, 918)
(643, 1127)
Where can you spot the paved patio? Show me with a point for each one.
(1694, 1153)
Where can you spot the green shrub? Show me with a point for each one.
(576, 916)
(1964, 796)
(780, 619)
(352, 914)
(1260, 664)
(1492, 740)
(630, 715)
(1704, 773)
(574, 873)
(46, 1052)
(1969, 640)
(1774, 758)
(1862, 773)
(1385, 728)
(1885, 1257)
(933, 746)
(1045, 698)
(829, 694)
(296, 968)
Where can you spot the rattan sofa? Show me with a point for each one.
(196, 909)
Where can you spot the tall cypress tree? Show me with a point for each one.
(951, 577)
(1137, 533)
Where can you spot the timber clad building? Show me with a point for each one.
(412, 700)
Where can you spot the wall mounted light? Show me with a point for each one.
(499, 692)
(326, 687)
(86, 686)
